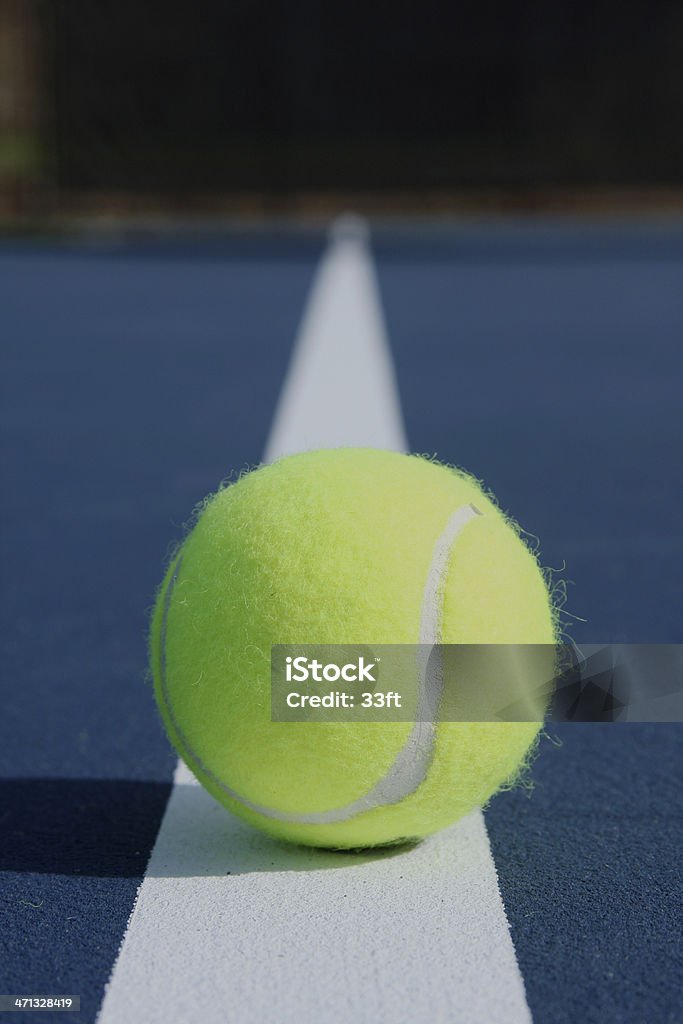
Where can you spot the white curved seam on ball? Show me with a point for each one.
(411, 764)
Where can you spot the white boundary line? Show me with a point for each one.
(340, 390)
(231, 926)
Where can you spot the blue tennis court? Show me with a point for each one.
(544, 356)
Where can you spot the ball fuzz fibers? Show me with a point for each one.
(344, 546)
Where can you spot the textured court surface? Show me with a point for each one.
(546, 359)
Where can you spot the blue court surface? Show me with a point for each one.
(545, 357)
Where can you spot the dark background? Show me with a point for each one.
(304, 94)
(186, 104)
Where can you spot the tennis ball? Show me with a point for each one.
(344, 546)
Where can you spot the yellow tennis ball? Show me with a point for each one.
(344, 546)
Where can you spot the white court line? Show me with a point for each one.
(340, 389)
(229, 926)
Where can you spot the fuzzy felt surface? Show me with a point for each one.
(334, 547)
